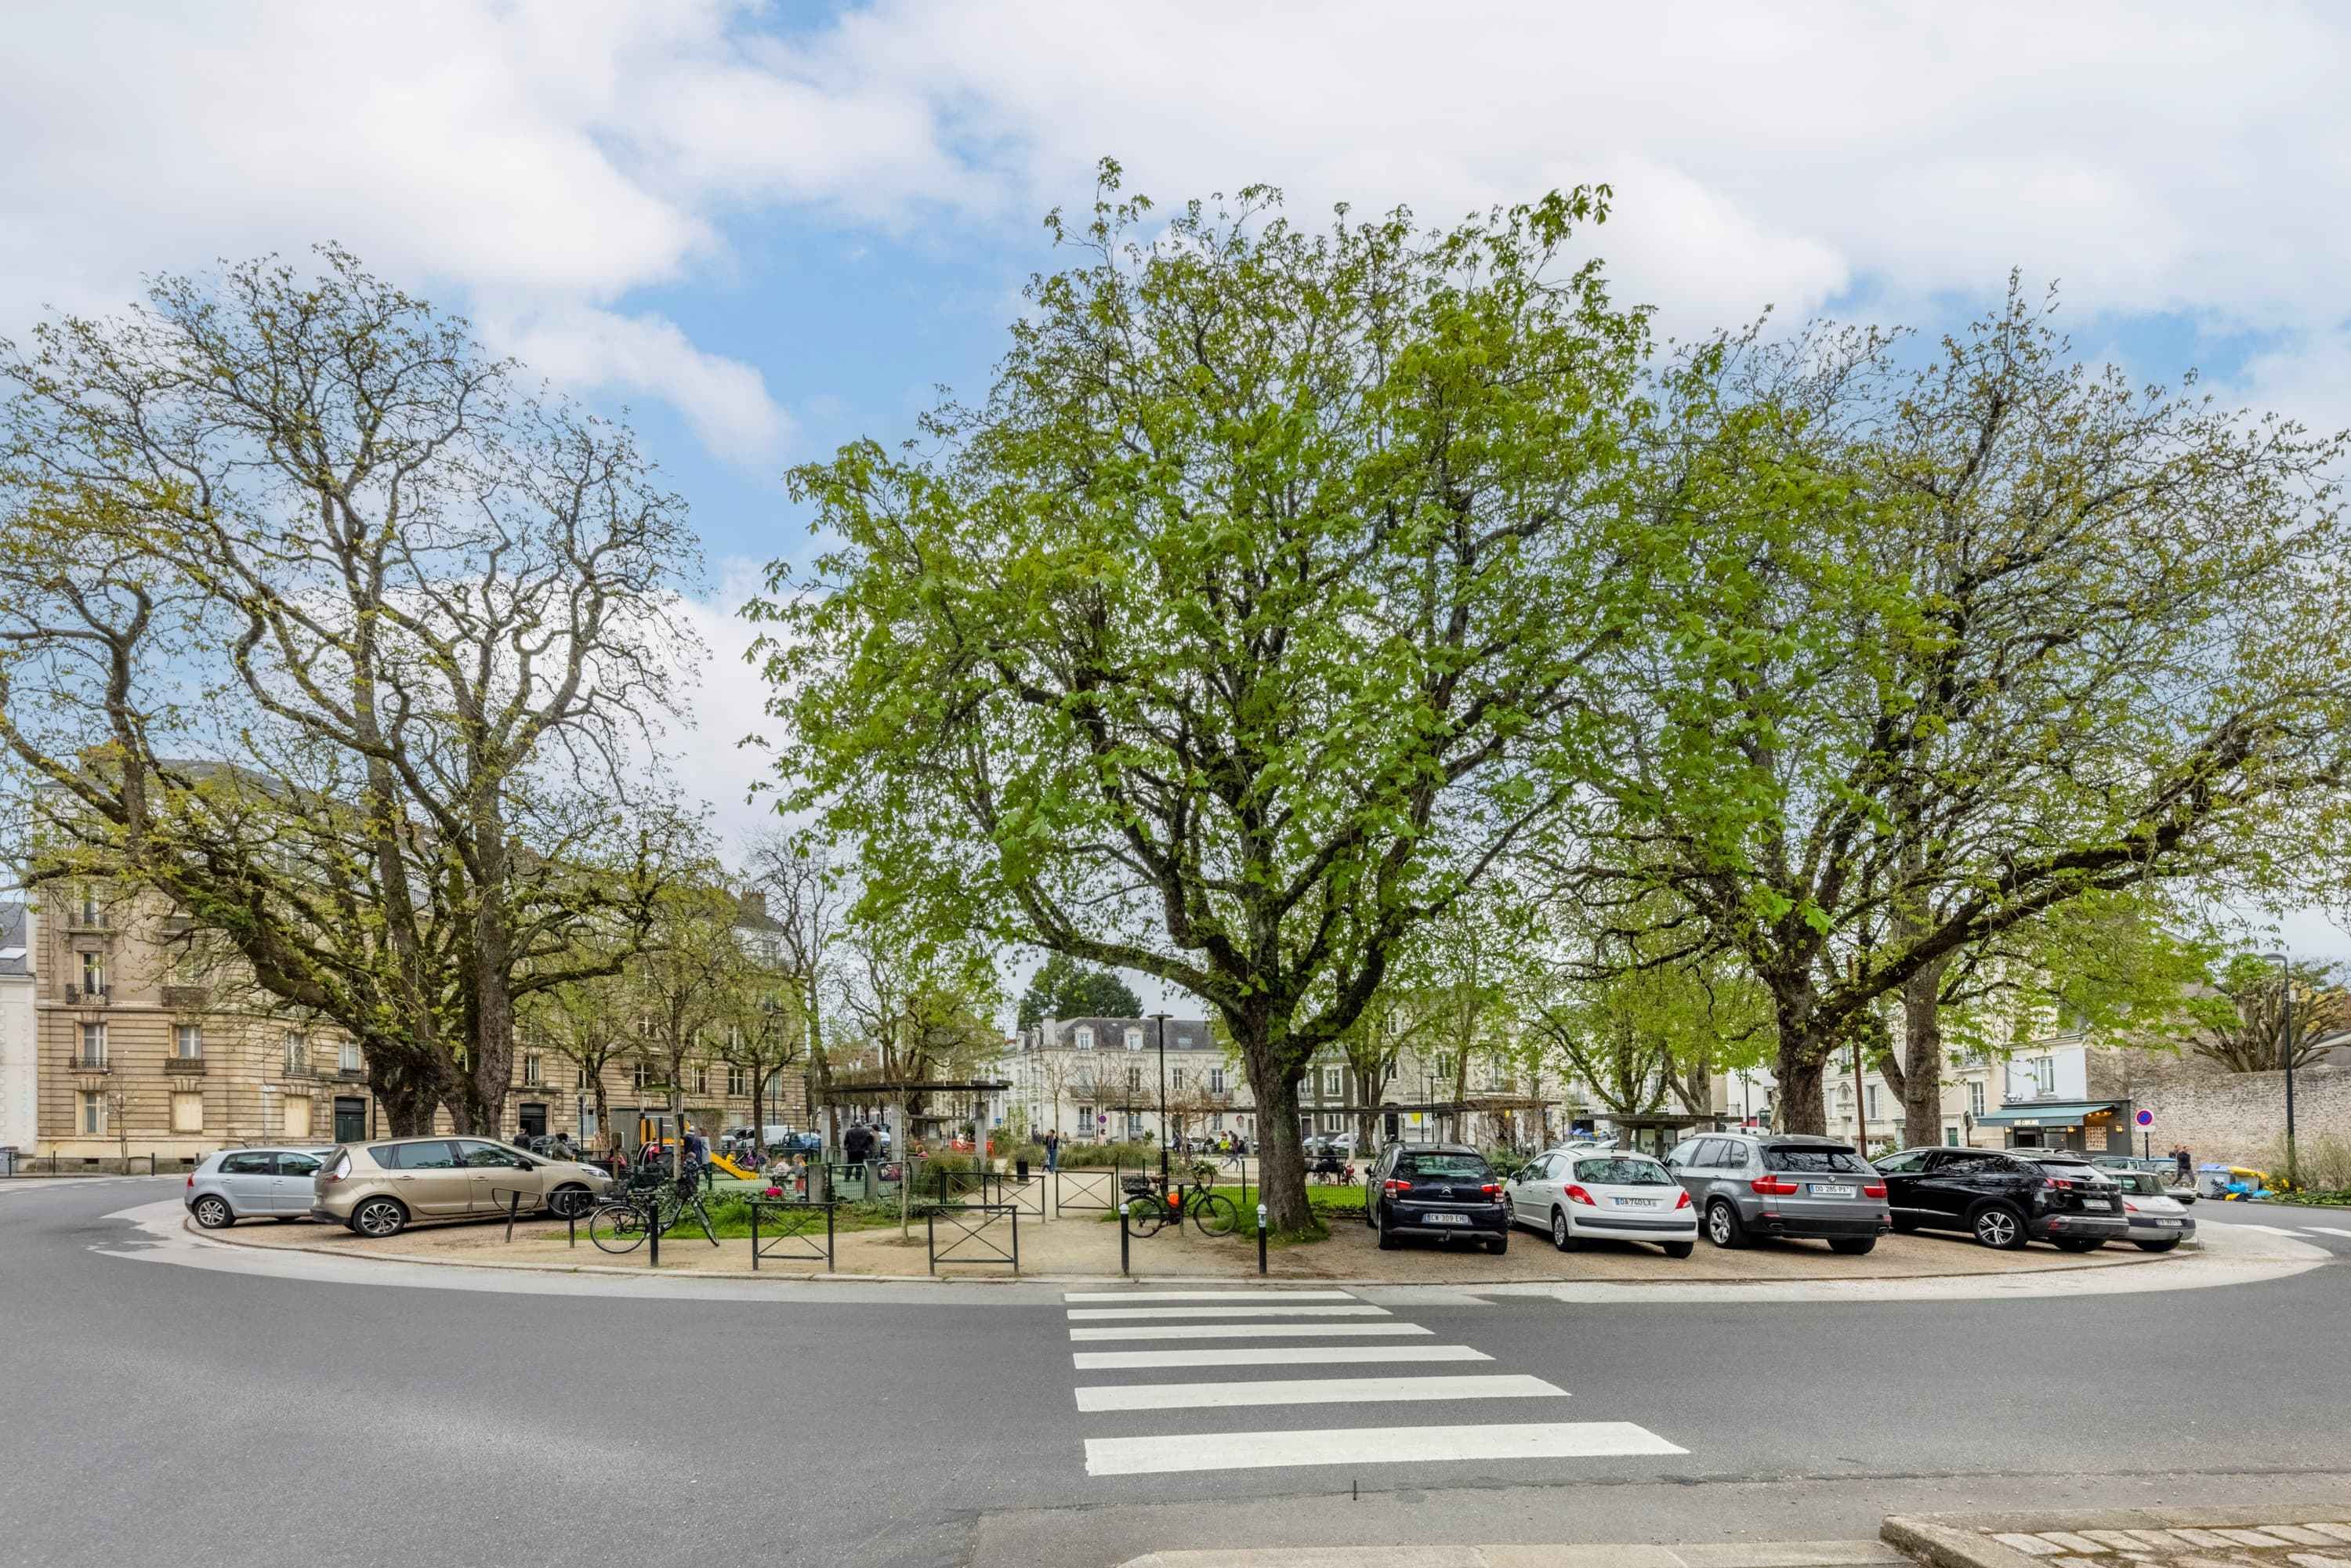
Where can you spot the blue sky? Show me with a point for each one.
(766, 229)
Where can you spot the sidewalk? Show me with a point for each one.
(2262, 1535)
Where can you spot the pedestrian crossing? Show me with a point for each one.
(1295, 1331)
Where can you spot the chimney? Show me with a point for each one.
(754, 904)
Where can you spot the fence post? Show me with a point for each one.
(1122, 1236)
(571, 1224)
(653, 1224)
(828, 1238)
(1015, 1217)
(514, 1206)
(755, 1236)
(1261, 1238)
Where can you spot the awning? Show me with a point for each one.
(2047, 1113)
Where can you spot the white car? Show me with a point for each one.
(2158, 1221)
(1579, 1195)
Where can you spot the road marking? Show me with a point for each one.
(1272, 1355)
(1369, 1445)
(2332, 1229)
(1313, 1391)
(1244, 1330)
(1206, 1296)
(1358, 1311)
(2273, 1230)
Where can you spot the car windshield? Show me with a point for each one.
(2075, 1170)
(1811, 1157)
(1468, 1165)
(1623, 1173)
(2139, 1182)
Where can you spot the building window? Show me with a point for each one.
(93, 974)
(1134, 1040)
(188, 1041)
(1331, 1090)
(298, 1054)
(188, 1112)
(2044, 1075)
(298, 1117)
(1176, 1077)
(1134, 1124)
(88, 901)
(640, 1075)
(530, 1065)
(347, 1056)
(1873, 1102)
(1133, 1079)
(702, 1081)
(1976, 1098)
(739, 1083)
(1085, 1037)
(1216, 1123)
(580, 1078)
(93, 1046)
(93, 1114)
(1334, 1124)
(1216, 1080)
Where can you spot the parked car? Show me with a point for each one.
(245, 1183)
(378, 1190)
(2166, 1172)
(1580, 1195)
(1440, 1190)
(2158, 1219)
(1747, 1185)
(2006, 1197)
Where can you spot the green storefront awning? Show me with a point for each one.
(2047, 1113)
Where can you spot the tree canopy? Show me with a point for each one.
(1064, 989)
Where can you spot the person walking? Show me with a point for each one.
(857, 1143)
(2184, 1161)
(1052, 1151)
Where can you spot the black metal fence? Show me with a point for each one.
(109, 1164)
(790, 1230)
(973, 1233)
(1095, 1190)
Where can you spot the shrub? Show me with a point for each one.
(2322, 1163)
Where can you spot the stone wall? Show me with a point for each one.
(2229, 1117)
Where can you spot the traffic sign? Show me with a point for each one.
(2144, 1118)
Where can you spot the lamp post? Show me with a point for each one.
(2285, 1051)
(1161, 1020)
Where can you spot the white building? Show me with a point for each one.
(1099, 1078)
(20, 1035)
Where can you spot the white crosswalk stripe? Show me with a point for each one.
(1362, 1444)
(2332, 1229)
(1310, 1323)
(1313, 1391)
(1274, 1356)
(2271, 1230)
(1093, 1314)
(1244, 1330)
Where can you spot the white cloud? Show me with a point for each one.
(725, 401)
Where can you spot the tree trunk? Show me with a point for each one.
(1919, 1077)
(1801, 1106)
(1282, 1162)
(406, 1091)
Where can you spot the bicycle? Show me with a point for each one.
(1212, 1212)
(621, 1223)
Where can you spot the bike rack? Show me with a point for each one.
(796, 1237)
(968, 1240)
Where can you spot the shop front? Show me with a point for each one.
(2085, 1126)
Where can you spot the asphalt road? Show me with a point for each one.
(150, 1413)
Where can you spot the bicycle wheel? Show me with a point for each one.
(1145, 1216)
(617, 1227)
(1216, 1213)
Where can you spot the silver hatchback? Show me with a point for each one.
(247, 1184)
(1747, 1185)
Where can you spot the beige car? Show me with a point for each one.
(380, 1189)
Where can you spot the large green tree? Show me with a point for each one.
(1248, 621)
(315, 622)
(1064, 989)
(1938, 647)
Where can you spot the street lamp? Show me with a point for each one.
(2285, 1051)
(1161, 1020)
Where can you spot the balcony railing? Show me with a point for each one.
(183, 996)
(352, 1074)
(86, 996)
(84, 1061)
(183, 1064)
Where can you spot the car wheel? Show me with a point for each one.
(1852, 1246)
(213, 1213)
(2000, 1228)
(1500, 1245)
(1680, 1248)
(378, 1218)
(2080, 1243)
(2157, 1246)
(1561, 1236)
(1722, 1224)
(1379, 1224)
(565, 1202)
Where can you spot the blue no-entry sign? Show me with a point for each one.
(2144, 1118)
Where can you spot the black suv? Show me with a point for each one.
(1441, 1190)
(2005, 1197)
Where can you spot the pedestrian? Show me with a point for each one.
(857, 1143)
(1053, 1151)
(2184, 1161)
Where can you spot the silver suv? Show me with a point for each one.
(1747, 1185)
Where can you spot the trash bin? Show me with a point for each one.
(1020, 1167)
(2212, 1180)
(8, 1159)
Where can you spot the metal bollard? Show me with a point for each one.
(1122, 1236)
(1261, 1238)
(653, 1224)
(514, 1206)
(571, 1224)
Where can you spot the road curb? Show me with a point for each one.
(2021, 1540)
(1569, 1554)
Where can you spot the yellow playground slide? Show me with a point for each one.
(731, 1168)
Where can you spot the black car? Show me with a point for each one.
(2005, 1197)
(1447, 1191)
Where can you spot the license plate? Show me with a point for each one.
(2168, 1224)
(1634, 1202)
(1445, 1219)
(1832, 1192)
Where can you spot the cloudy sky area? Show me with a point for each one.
(767, 229)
